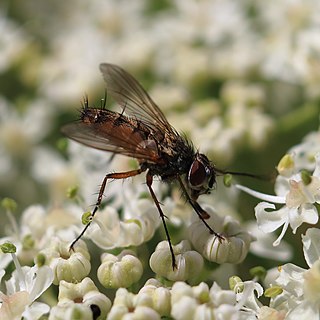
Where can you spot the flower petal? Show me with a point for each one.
(270, 221)
(306, 213)
(38, 280)
(311, 245)
(35, 311)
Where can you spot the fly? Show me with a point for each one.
(141, 131)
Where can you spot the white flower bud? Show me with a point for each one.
(191, 302)
(189, 262)
(155, 296)
(109, 232)
(68, 265)
(286, 166)
(70, 312)
(85, 293)
(232, 249)
(125, 307)
(119, 271)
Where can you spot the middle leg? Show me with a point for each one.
(115, 175)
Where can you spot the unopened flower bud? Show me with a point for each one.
(119, 271)
(189, 262)
(8, 247)
(155, 296)
(286, 166)
(232, 249)
(68, 265)
(85, 293)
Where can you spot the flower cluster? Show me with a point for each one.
(296, 188)
(240, 79)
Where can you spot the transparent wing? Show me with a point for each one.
(129, 93)
(109, 138)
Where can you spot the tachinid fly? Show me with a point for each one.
(141, 131)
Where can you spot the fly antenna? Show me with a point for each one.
(266, 177)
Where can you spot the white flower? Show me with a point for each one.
(19, 133)
(263, 244)
(289, 52)
(311, 284)
(55, 222)
(81, 298)
(70, 312)
(233, 248)
(119, 271)
(23, 288)
(304, 153)
(300, 298)
(108, 231)
(267, 313)
(13, 42)
(69, 265)
(155, 296)
(51, 169)
(191, 302)
(245, 102)
(311, 245)
(199, 302)
(125, 307)
(299, 198)
(189, 262)
(247, 293)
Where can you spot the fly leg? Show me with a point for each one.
(149, 183)
(202, 214)
(115, 175)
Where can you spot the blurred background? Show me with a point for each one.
(239, 78)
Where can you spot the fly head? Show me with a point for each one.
(201, 176)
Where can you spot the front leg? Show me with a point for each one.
(202, 214)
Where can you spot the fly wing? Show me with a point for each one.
(129, 93)
(106, 137)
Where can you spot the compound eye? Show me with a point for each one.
(197, 174)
